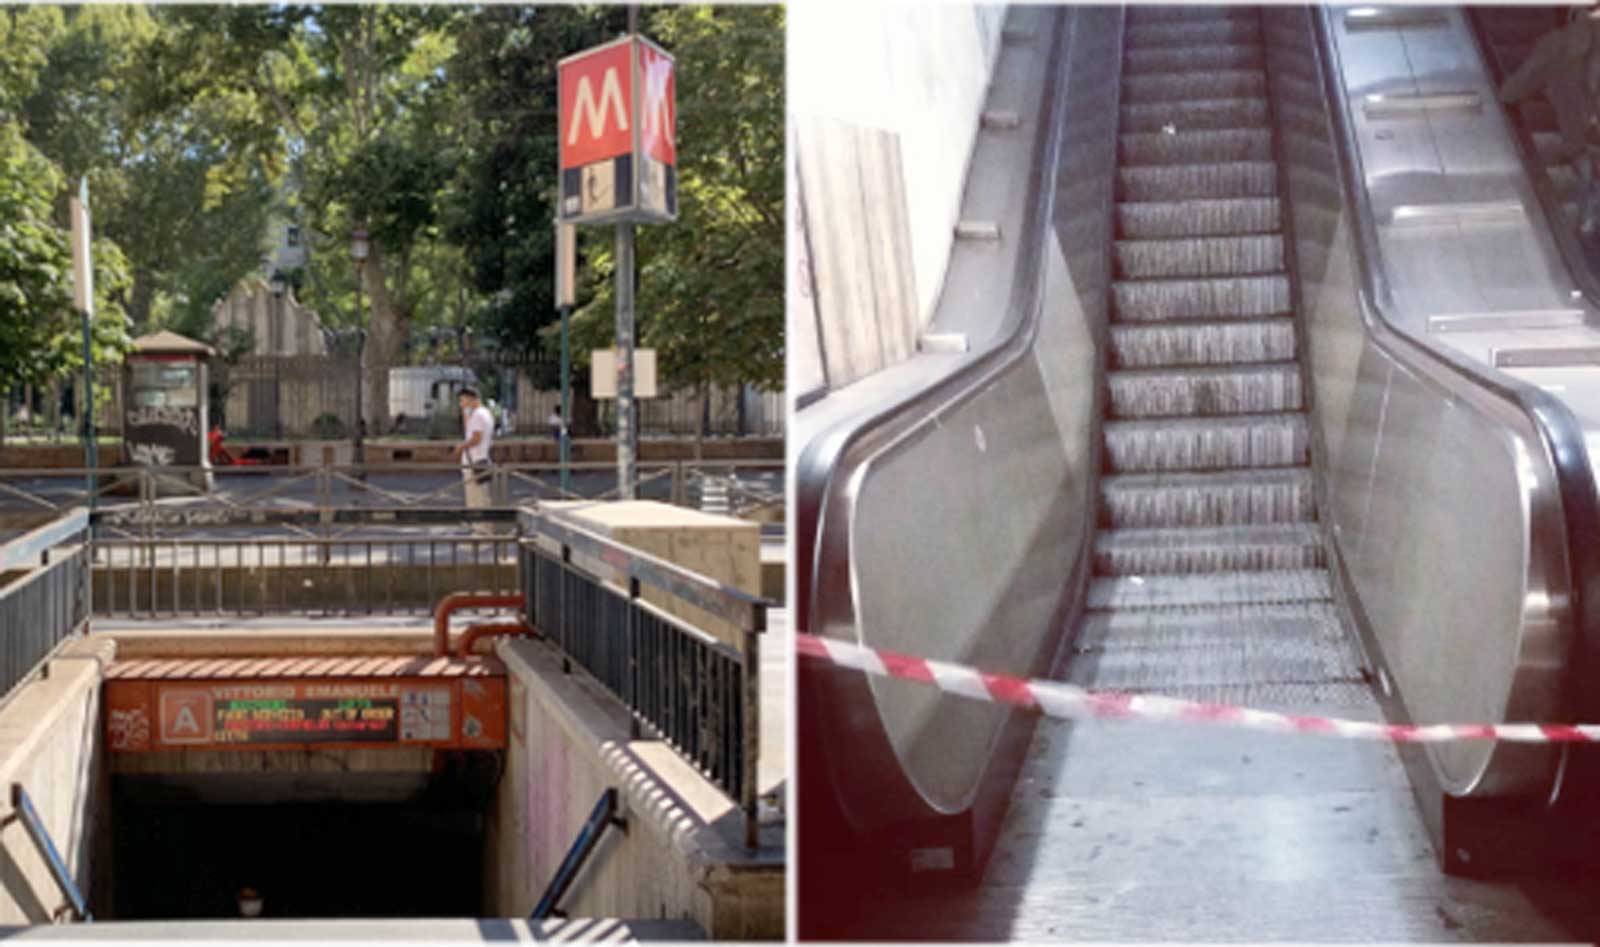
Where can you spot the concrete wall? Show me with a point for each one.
(682, 855)
(883, 111)
(50, 743)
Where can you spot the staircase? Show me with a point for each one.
(1511, 33)
(1209, 571)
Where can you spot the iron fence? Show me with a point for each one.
(141, 578)
(144, 497)
(44, 595)
(696, 692)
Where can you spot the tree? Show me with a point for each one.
(40, 334)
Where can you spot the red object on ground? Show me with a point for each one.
(459, 600)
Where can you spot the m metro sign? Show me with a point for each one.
(618, 134)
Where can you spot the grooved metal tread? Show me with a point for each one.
(1207, 443)
(1206, 550)
(1215, 588)
(1263, 387)
(1203, 217)
(1195, 114)
(1198, 342)
(1211, 498)
(1189, 257)
(1201, 179)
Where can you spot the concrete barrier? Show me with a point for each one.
(50, 743)
(681, 856)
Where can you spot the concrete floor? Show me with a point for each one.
(1140, 832)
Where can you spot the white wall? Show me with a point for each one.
(884, 102)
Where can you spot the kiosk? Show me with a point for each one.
(165, 419)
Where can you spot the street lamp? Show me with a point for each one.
(359, 247)
(277, 284)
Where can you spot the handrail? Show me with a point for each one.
(23, 810)
(1572, 254)
(603, 815)
(25, 551)
(748, 612)
(1558, 429)
(818, 473)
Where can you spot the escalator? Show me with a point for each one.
(1210, 577)
(1291, 502)
(1509, 35)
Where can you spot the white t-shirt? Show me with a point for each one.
(479, 420)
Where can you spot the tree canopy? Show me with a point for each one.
(204, 131)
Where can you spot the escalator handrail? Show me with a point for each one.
(1558, 429)
(1572, 255)
(819, 467)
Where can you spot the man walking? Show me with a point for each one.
(478, 424)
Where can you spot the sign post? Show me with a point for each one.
(566, 295)
(619, 160)
(83, 293)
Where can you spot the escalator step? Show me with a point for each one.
(1217, 588)
(1205, 626)
(1202, 218)
(1206, 443)
(1208, 146)
(1199, 256)
(1564, 178)
(1205, 390)
(1229, 498)
(1193, 58)
(1552, 146)
(1182, 182)
(1223, 342)
(1195, 114)
(1163, 13)
(1146, 552)
(1218, 84)
(1202, 298)
(1158, 34)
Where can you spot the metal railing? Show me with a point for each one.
(310, 575)
(153, 496)
(700, 694)
(22, 809)
(44, 595)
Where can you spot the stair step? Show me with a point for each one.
(1207, 443)
(1195, 114)
(1207, 146)
(1159, 34)
(1277, 655)
(1199, 256)
(1210, 13)
(1217, 588)
(1199, 218)
(1222, 297)
(1227, 342)
(1175, 87)
(1228, 498)
(1205, 390)
(1194, 58)
(1552, 147)
(1147, 552)
(1226, 179)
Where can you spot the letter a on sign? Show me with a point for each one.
(185, 716)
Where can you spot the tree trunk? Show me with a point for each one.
(387, 329)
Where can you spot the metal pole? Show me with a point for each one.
(91, 451)
(359, 452)
(625, 407)
(563, 433)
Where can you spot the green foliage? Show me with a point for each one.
(710, 286)
(40, 334)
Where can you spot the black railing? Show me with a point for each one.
(44, 595)
(698, 694)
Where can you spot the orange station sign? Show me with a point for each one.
(618, 134)
(467, 713)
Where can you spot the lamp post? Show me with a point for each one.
(277, 284)
(359, 247)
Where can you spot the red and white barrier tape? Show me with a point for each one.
(1066, 701)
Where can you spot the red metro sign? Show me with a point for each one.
(618, 134)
